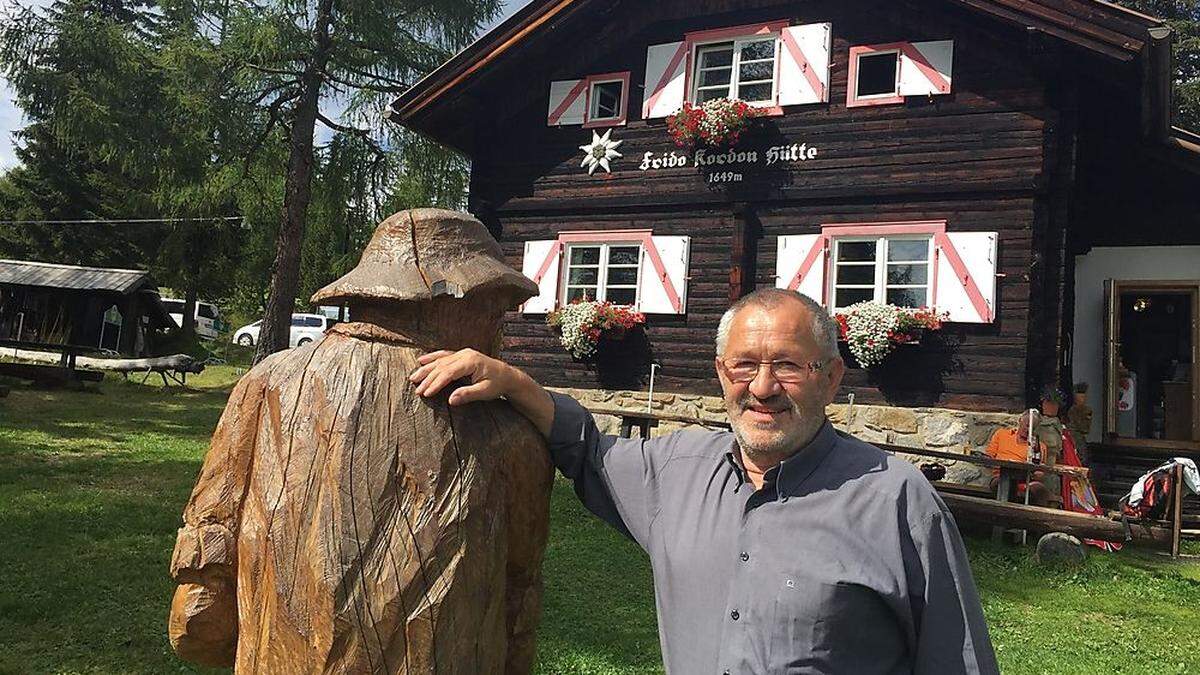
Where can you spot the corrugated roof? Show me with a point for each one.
(49, 275)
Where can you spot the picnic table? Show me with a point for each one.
(645, 420)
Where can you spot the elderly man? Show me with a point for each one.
(1012, 444)
(784, 546)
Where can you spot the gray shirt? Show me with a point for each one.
(846, 561)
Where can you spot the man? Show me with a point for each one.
(1012, 444)
(784, 546)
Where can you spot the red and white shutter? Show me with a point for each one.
(925, 68)
(568, 105)
(664, 90)
(804, 64)
(966, 276)
(800, 264)
(662, 286)
(541, 265)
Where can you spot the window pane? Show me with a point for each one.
(719, 55)
(584, 275)
(907, 274)
(848, 296)
(908, 250)
(763, 70)
(716, 76)
(855, 274)
(574, 294)
(856, 251)
(585, 255)
(711, 94)
(297, 321)
(763, 49)
(623, 255)
(312, 321)
(906, 297)
(621, 296)
(606, 99)
(755, 92)
(206, 311)
(877, 74)
(622, 276)
(173, 306)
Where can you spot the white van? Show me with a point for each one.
(208, 317)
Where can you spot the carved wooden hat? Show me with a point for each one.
(422, 254)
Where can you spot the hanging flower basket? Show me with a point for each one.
(584, 324)
(872, 330)
(718, 123)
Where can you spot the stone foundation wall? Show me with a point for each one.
(958, 431)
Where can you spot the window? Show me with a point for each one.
(602, 272)
(877, 74)
(206, 311)
(297, 320)
(894, 270)
(173, 306)
(743, 69)
(608, 100)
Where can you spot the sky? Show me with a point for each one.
(10, 115)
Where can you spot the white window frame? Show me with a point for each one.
(879, 286)
(735, 68)
(895, 92)
(603, 265)
(593, 101)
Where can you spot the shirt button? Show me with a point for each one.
(734, 615)
(745, 556)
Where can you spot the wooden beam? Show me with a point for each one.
(1020, 516)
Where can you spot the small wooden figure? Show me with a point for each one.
(341, 523)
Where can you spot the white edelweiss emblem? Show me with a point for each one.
(599, 152)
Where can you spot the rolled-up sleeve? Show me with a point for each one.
(952, 636)
(614, 477)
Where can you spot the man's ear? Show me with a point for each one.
(834, 374)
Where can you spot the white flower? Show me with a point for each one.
(868, 325)
(574, 318)
(599, 152)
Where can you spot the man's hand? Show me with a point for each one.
(488, 379)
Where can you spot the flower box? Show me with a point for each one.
(584, 324)
(718, 123)
(872, 330)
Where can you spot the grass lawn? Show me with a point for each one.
(92, 485)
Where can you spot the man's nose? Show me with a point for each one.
(764, 385)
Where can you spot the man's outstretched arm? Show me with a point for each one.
(615, 478)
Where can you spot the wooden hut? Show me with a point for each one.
(1012, 163)
(44, 304)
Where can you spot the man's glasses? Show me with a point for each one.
(788, 372)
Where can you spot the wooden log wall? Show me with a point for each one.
(977, 158)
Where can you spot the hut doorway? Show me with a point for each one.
(1152, 363)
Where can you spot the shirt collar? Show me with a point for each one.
(791, 473)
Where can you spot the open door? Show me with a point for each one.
(1152, 363)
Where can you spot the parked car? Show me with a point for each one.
(306, 328)
(209, 322)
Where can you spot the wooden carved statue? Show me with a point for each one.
(342, 523)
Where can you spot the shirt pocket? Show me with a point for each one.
(817, 626)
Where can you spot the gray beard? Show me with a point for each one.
(782, 446)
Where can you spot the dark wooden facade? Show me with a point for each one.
(1014, 149)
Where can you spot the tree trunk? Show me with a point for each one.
(189, 312)
(285, 270)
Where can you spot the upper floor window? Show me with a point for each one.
(877, 74)
(742, 69)
(886, 73)
(603, 271)
(593, 101)
(769, 65)
(607, 98)
(894, 270)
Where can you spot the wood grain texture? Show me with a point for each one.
(343, 524)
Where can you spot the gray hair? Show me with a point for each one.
(824, 328)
